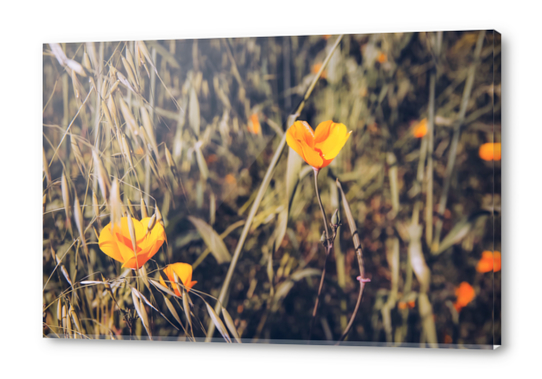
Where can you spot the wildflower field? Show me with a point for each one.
(321, 189)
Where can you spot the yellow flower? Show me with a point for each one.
(183, 272)
(318, 148)
(118, 243)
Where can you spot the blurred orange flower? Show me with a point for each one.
(318, 148)
(420, 129)
(117, 243)
(254, 124)
(490, 151)
(230, 179)
(183, 271)
(490, 261)
(404, 305)
(382, 58)
(316, 67)
(464, 293)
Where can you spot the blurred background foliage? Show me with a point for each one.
(202, 119)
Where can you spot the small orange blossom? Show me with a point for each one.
(318, 148)
(464, 293)
(490, 151)
(490, 261)
(420, 129)
(118, 244)
(183, 272)
(254, 124)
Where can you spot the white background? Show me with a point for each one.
(25, 26)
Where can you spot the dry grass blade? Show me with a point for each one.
(146, 301)
(66, 200)
(79, 223)
(115, 206)
(143, 208)
(218, 323)
(293, 168)
(101, 174)
(202, 164)
(359, 255)
(149, 130)
(78, 156)
(230, 325)
(212, 240)
(128, 117)
(131, 229)
(172, 310)
(162, 288)
(186, 307)
(193, 112)
(140, 309)
(46, 168)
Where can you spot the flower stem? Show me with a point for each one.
(316, 171)
(328, 244)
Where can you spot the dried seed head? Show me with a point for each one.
(101, 173)
(129, 205)
(152, 221)
(169, 159)
(59, 53)
(115, 205)
(143, 208)
(158, 214)
(127, 150)
(95, 206)
(86, 62)
(76, 66)
(65, 196)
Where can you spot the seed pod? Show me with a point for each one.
(143, 208)
(158, 214)
(323, 237)
(152, 221)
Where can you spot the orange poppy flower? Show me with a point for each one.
(183, 272)
(490, 151)
(254, 124)
(420, 129)
(464, 293)
(118, 244)
(318, 148)
(490, 261)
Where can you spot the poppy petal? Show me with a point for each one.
(322, 131)
(311, 156)
(108, 244)
(334, 143)
(183, 271)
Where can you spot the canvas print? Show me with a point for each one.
(323, 189)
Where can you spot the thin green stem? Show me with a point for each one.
(328, 244)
